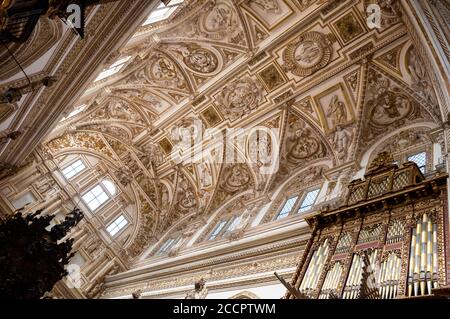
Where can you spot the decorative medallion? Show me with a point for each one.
(196, 58)
(163, 71)
(309, 53)
(236, 178)
(240, 97)
(388, 104)
(301, 143)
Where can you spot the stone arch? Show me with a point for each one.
(368, 154)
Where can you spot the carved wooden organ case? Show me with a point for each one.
(395, 216)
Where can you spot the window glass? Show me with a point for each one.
(235, 221)
(309, 200)
(113, 69)
(420, 159)
(117, 225)
(23, 200)
(162, 12)
(168, 245)
(73, 169)
(217, 230)
(95, 197)
(287, 207)
(75, 111)
(110, 187)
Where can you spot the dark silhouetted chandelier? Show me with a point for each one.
(32, 258)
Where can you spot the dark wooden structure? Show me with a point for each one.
(19, 17)
(395, 221)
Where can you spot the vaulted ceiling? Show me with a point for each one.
(311, 71)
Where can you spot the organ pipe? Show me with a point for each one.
(331, 282)
(316, 264)
(413, 262)
(422, 273)
(389, 276)
(354, 279)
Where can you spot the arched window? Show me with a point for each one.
(308, 200)
(110, 187)
(99, 194)
(413, 145)
(75, 111)
(163, 11)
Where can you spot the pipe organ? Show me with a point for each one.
(387, 236)
(314, 268)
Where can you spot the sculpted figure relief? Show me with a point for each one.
(161, 70)
(307, 53)
(205, 175)
(117, 110)
(386, 102)
(341, 141)
(152, 154)
(337, 111)
(200, 291)
(388, 105)
(267, 5)
(217, 20)
(419, 77)
(240, 97)
(186, 196)
(124, 175)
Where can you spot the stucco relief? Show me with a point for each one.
(387, 106)
(117, 110)
(217, 20)
(240, 97)
(420, 80)
(301, 142)
(145, 235)
(90, 141)
(195, 57)
(390, 11)
(267, 5)
(310, 52)
(186, 197)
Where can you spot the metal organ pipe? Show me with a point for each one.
(331, 282)
(353, 284)
(316, 264)
(389, 277)
(422, 274)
